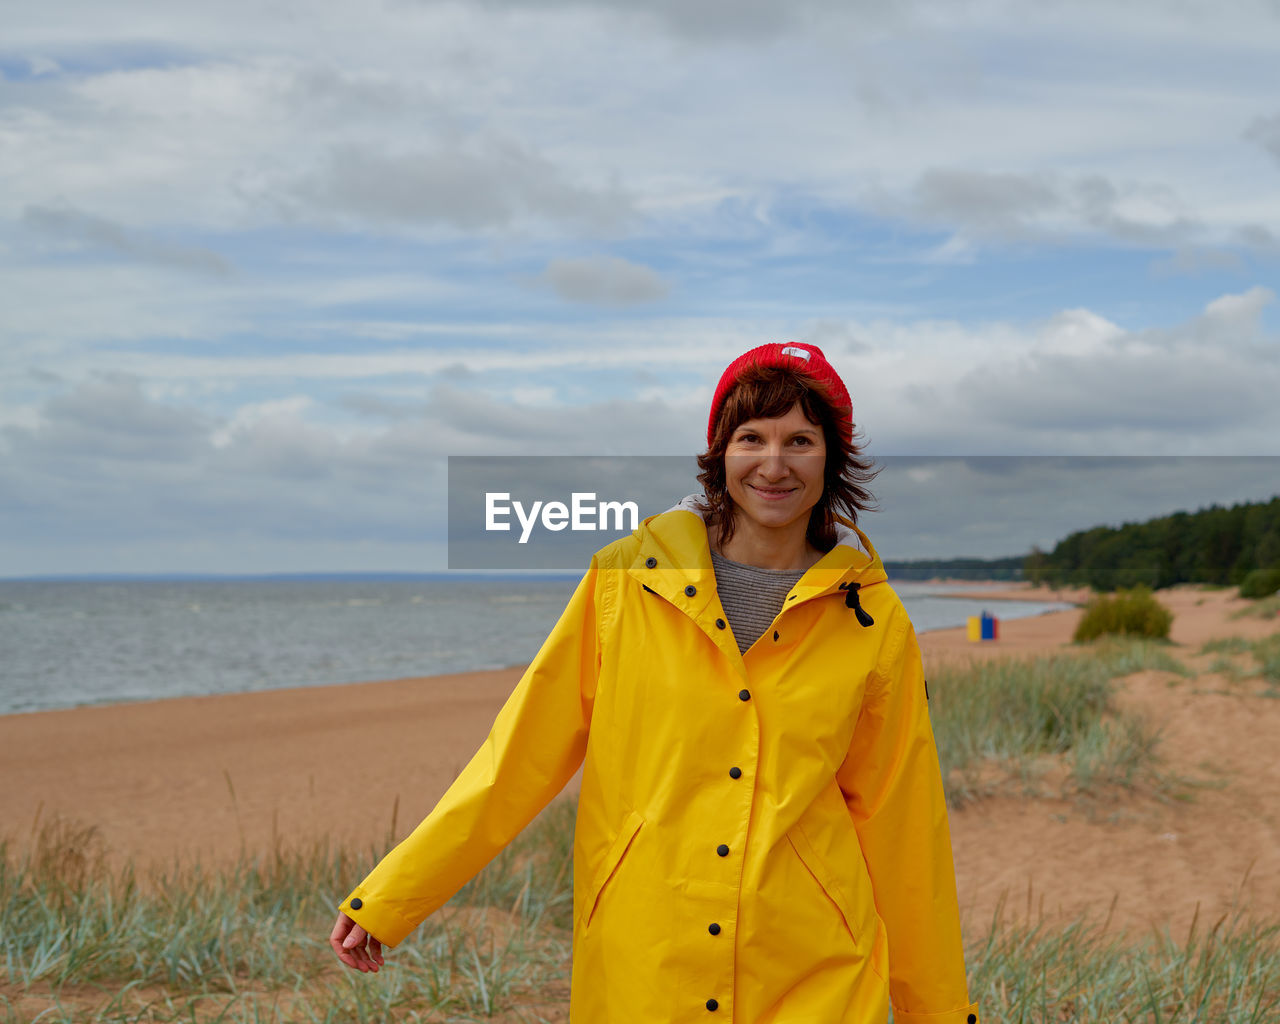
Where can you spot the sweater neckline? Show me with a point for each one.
(792, 574)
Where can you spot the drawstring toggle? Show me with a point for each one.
(851, 601)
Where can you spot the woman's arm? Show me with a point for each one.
(893, 788)
(536, 744)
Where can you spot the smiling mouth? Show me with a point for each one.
(772, 493)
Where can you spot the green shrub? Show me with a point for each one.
(1132, 612)
(1260, 583)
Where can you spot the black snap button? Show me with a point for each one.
(722, 850)
(775, 636)
(690, 590)
(719, 623)
(712, 1004)
(972, 1018)
(356, 903)
(650, 562)
(735, 772)
(713, 928)
(744, 695)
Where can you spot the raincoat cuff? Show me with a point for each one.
(380, 921)
(964, 1015)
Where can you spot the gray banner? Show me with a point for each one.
(520, 512)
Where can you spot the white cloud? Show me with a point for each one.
(956, 250)
(1019, 206)
(1265, 131)
(492, 184)
(249, 420)
(995, 203)
(1244, 310)
(1195, 259)
(78, 229)
(604, 280)
(1081, 384)
(40, 65)
(835, 337)
(720, 20)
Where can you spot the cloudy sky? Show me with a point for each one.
(263, 266)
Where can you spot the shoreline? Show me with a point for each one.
(999, 591)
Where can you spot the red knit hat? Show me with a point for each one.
(804, 358)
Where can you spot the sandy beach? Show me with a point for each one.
(207, 777)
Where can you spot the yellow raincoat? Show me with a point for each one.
(760, 837)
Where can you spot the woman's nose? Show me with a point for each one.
(773, 466)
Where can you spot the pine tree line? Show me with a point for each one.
(1213, 545)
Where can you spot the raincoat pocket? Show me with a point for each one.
(609, 866)
(817, 866)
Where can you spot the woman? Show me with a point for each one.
(761, 831)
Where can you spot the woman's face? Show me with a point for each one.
(774, 468)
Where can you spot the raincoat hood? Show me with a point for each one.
(677, 540)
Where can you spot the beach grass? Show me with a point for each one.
(1048, 724)
(246, 944)
(82, 940)
(1267, 654)
(1227, 645)
(1262, 608)
(1262, 663)
(1227, 971)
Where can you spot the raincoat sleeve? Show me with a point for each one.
(533, 749)
(893, 788)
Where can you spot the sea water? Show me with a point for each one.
(69, 643)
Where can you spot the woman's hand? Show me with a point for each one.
(354, 946)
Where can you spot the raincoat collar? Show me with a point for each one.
(674, 555)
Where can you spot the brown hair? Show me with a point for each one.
(765, 392)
